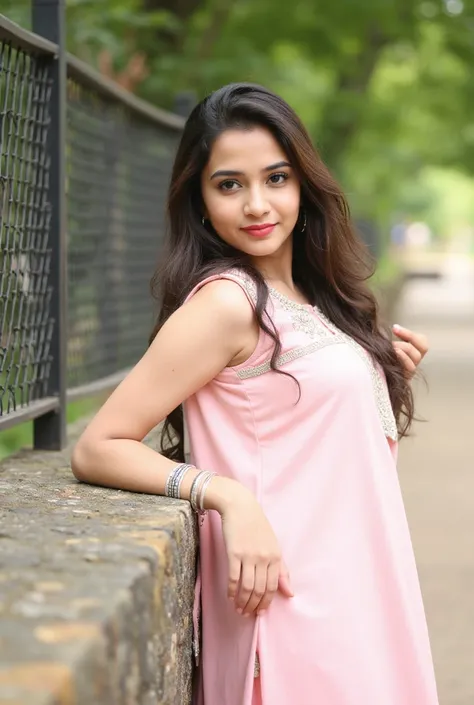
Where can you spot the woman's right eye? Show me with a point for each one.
(228, 185)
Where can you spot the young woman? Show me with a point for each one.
(269, 341)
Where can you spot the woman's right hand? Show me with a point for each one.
(256, 568)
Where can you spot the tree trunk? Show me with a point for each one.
(343, 113)
(182, 9)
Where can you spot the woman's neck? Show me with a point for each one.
(277, 269)
(281, 279)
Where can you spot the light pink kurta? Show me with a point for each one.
(323, 469)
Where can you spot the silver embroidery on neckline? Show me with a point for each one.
(295, 353)
(247, 281)
(301, 315)
(382, 397)
(305, 319)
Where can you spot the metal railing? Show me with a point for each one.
(84, 168)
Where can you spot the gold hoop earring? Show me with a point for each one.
(303, 227)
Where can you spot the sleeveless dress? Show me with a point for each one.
(323, 468)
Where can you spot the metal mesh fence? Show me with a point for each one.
(118, 167)
(25, 322)
(117, 155)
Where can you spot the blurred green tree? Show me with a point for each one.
(384, 86)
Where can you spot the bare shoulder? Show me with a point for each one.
(224, 299)
(214, 329)
(218, 320)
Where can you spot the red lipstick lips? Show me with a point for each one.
(261, 230)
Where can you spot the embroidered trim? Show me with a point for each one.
(248, 372)
(247, 281)
(256, 667)
(382, 397)
(301, 315)
(305, 319)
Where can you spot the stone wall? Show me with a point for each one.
(96, 589)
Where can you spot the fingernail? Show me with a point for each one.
(396, 326)
(239, 610)
(261, 612)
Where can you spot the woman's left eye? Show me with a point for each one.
(278, 178)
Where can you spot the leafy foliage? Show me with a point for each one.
(384, 86)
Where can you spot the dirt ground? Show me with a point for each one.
(437, 472)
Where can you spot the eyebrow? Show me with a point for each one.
(226, 172)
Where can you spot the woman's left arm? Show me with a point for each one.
(411, 348)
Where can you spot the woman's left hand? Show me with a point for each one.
(411, 348)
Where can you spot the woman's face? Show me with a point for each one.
(248, 182)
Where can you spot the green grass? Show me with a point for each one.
(21, 436)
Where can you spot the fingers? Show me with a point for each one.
(410, 350)
(257, 584)
(419, 341)
(259, 589)
(273, 572)
(407, 362)
(247, 583)
(234, 578)
(284, 584)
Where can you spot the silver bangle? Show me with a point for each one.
(167, 483)
(174, 480)
(178, 479)
(204, 487)
(193, 494)
(169, 487)
(180, 482)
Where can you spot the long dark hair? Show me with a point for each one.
(331, 265)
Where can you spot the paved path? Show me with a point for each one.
(437, 472)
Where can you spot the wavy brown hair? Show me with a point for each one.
(331, 264)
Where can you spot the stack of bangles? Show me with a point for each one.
(198, 488)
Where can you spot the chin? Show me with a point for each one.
(265, 248)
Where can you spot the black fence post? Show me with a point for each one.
(49, 21)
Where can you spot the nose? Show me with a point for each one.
(256, 204)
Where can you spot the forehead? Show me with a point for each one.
(245, 150)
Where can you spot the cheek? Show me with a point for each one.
(289, 204)
(224, 211)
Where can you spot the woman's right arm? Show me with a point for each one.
(192, 347)
(195, 344)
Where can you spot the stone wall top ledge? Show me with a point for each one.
(96, 589)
